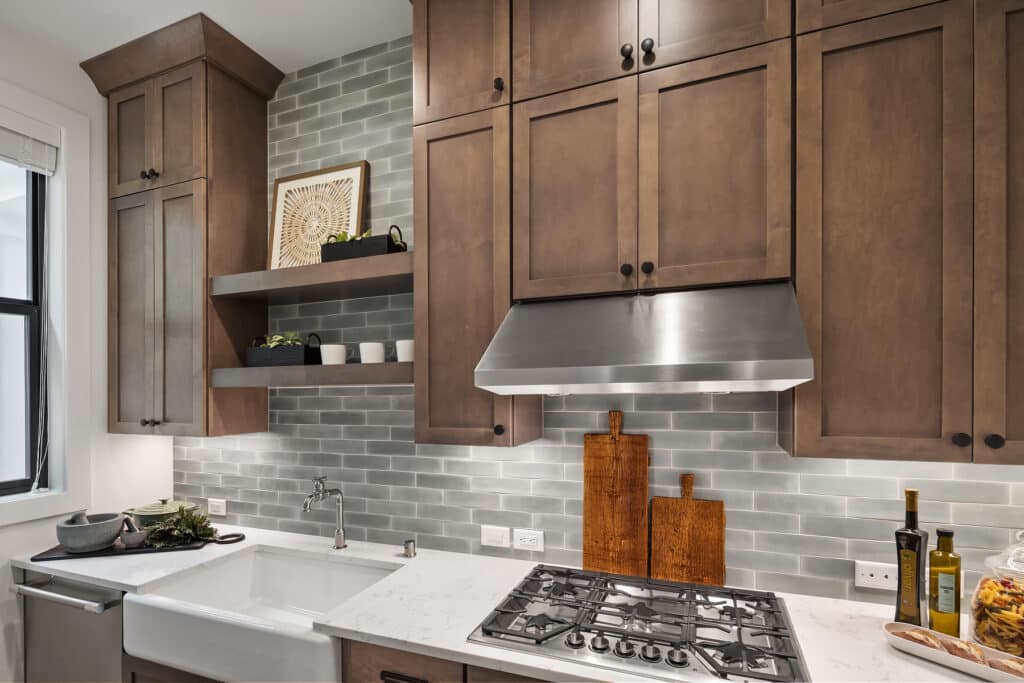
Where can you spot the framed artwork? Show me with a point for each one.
(310, 207)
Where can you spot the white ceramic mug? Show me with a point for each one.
(371, 352)
(404, 350)
(332, 354)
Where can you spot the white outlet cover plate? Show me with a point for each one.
(528, 539)
(495, 536)
(876, 575)
(216, 506)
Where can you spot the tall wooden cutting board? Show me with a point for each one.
(615, 500)
(688, 538)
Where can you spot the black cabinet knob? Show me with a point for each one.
(144, 174)
(961, 439)
(499, 83)
(995, 441)
(499, 429)
(154, 422)
(647, 45)
(647, 267)
(153, 173)
(626, 269)
(144, 422)
(626, 51)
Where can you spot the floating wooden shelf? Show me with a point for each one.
(314, 375)
(370, 276)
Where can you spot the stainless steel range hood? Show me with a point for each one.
(747, 338)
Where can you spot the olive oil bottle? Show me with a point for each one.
(944, 586)
(911, 545)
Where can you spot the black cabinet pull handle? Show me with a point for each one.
(144, 422)
(626, 51)
(626, 269)
(392, 677)
(144, 174)
(499, 83)
(995, 441)
(647, 267)
(647, 45)
(499, 429)
(153, 173)
(962, 439)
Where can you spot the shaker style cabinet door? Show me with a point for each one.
(812, 15)
(569, 43)
(574, 192)
(130, 317)
(461, 292)
(129, 139)
(179, 277)
(884, 236)
(714, 169)
(999, 232)
(460, 57)
(673, 31)
(179, 125)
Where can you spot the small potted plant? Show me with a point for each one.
(345, 246)
(287, 348)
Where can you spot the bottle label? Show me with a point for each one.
(947, 593)
(910, 605)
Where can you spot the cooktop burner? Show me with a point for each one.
(654, 629)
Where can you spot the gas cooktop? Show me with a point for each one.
(649, 628)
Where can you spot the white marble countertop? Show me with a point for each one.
(436, 599)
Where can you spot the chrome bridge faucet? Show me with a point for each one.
(321, 492)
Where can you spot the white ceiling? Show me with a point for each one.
(290, 33)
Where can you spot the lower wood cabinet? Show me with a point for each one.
(365, 663)
(462, 280)
(135, 670)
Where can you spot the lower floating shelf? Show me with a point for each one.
(314, 375)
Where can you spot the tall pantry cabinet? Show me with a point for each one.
(187, 140)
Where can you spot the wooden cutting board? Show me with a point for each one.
(688, 537)
(615, 500)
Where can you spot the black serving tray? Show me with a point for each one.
(59, 552)
(256, 357)
(368, 246)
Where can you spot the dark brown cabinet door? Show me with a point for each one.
(130, 142)
(134, 670)
(130, 339)
(680, 30)
(714, 169)
(475, 674)
(366, 663)
(565, 44)
(884, 235)
(460, 57)
(999, 232)
(461, 213)
(574, 207)
(179, 259)
(815, 14)
(179, 125)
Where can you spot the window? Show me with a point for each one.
(22, 220)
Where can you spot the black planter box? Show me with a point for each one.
(256, 357)
(368, 246)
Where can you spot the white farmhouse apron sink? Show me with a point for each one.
(249, 617)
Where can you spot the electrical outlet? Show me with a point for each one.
(876, 575)
(528, 539)
(496, 536)
(216, 506)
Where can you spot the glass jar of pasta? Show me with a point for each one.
(997, 609)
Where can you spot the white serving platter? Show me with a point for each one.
(943, 658)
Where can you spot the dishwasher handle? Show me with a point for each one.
(91, 606)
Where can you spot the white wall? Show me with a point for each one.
(125, 470)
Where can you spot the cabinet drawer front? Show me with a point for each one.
(179, 125)
(565, 44)
(459, 48)
(884, 235)
(365, 663)
(574, 192)
(815, 14)
(714, 169)
(688, 29)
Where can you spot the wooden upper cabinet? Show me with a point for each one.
(158, 126)
(460, 57)
(812, 15)
(999, 232)
(569, 43)
(680, 30)
(461, 213)
(884, 236)
(574, 160)
(714, 169)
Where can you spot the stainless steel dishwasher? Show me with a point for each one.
(72, 631)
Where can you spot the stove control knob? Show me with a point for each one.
(625, 649)
(599, 643)
(575, 639)
(677, 657)
(650, 653)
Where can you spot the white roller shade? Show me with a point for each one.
(28, 143)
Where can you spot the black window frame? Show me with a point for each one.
(35, 197)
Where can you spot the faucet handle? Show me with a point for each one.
(319, 484)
